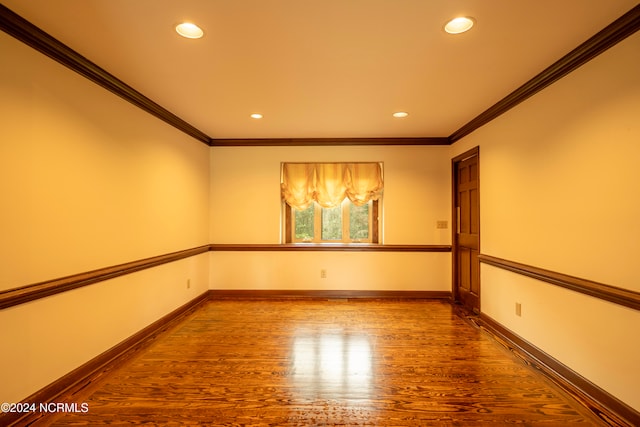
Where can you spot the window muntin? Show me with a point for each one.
(346, 223)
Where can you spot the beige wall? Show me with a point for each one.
(380, 271)
(47, 338)
(87, 178)
(246, 208)
(559, 190)
(88, 181)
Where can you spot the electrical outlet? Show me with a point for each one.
(518, 309)
(442, 224)
(188, 283)
(323, 274)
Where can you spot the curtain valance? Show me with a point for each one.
(330, 183)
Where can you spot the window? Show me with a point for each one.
(345, 223)
(331, 202)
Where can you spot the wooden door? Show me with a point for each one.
(466, 230)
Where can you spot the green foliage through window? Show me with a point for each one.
(359, 222)
(304, 224)
(332, 223)
(344, 223)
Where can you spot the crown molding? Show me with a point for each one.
(21, 29)
(617, 31)
(279, 142)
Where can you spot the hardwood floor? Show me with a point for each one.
(324, 363)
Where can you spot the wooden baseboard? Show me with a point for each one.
(21, 295)
(65, 387)
(610, 409)
(324, 294)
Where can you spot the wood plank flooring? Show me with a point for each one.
(325, 363)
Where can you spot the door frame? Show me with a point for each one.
(454, 226)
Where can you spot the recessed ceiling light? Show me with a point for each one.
(400, 114)
(256, 116)
(189, 30)
(459, 25)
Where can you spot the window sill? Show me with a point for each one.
(329, 247)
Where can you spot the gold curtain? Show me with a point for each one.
(329, 183)
(364, 182)
(298, 184)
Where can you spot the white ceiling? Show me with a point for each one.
(323, 68)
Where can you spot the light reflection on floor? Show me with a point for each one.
(332, 365)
